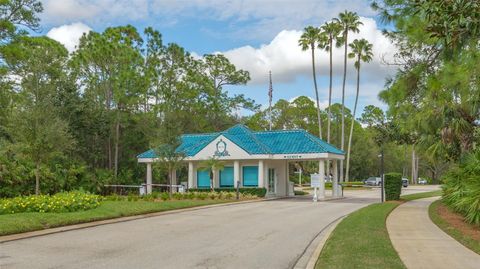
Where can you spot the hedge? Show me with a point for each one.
(393, 186)
(259, 192)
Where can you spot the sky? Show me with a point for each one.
(257, 36)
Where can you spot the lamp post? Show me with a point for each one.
(382, 174)
(299, 172)
(382, 169)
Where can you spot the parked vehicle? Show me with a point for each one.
(422, 181)
(373, 181)
(405, 182)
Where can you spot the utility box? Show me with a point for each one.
(142, 190)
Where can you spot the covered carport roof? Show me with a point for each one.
(296, 141)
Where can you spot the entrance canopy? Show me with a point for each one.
(241, 143)
(252, 159)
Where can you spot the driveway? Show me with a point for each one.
(270, 234)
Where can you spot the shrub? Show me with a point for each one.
(461, 189)
(259, 192)
(60, 202)
(393, 186)
(164, 196)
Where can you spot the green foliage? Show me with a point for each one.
(258, 192)
(17, 14)
(301, 193)
(461, 189)
(60, 202)
(393, 186)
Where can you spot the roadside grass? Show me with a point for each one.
(301, 193)
(466, 234)
(26, 222)
(421, 195)
(361, 240)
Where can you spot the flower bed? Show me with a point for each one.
(60, 202)
(198, 195)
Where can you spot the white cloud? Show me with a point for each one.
(244, 19)
(69, 35)
(288, 62)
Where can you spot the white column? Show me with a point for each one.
(261, 174)
(190, 174)
(287, 177)
(321, 171)
(335, 192)
(236, 174)
(149, 178)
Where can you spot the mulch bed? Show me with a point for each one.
(457, 221)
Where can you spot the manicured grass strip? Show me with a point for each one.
(361, 241)
(26, 222)
(460, 236)
(421, 195)
(301, 193)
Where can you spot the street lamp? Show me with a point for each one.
(299, 172)
(382, 173)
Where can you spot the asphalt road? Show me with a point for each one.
(270, 234)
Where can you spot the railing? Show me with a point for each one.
(139, 189)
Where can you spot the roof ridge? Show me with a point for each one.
(251, 134)
(202, 134)
(310, 136)
(280, 131)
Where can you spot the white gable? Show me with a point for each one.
(223, 149)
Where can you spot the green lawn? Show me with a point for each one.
(361, 239)
(421, 195)
(25, 222)
(464, 239)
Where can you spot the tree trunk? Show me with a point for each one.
(211, 180)
(329, 116)
(353, 121)
(316, 94)
(343, 104)
(117, 138)
(170, 192)
(37, 179)
(413, 166)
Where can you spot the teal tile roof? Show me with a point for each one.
(267, 142)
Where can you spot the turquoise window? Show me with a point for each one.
(226, 177)
(250, 176)
(203, 179)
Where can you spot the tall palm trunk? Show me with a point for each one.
(342, 143)
(353, 121)
(316, 93)
(329, 116)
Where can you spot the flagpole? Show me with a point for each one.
(270, 95)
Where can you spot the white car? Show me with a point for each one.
(373, 181)
(422, 181)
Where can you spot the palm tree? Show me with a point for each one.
(350, 23)
(212, 164)
(309, 40)
(330, 30)
(362, 52)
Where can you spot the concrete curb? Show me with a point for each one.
(20, 236)
(326, 234)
